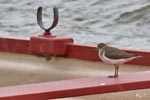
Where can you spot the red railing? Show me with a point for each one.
(65, 47)
(75, 87)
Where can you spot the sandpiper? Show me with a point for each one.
(114, 56)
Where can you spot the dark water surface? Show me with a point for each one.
(121, 23)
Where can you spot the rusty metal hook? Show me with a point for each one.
(40, 22)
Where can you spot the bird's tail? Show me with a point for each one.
(138, 56)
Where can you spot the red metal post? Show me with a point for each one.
(50, 45)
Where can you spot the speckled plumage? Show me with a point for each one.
(114, 53)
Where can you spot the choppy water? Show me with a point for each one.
(122, 23)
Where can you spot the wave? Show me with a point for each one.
(136, 14)
(140, 10)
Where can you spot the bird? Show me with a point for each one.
(114, 56)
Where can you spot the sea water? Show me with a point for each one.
(120, 23)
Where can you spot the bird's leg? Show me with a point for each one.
(116, 72)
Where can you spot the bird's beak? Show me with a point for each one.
(94, 49)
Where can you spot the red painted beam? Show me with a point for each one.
(72, 51)
(14, 45)
(77, 87)
(82, 52)
(86, 53)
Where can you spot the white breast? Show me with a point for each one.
(114, 61)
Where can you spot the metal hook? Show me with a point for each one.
(40, 22)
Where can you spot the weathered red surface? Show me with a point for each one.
(87, 53)
(76, 87)
(82, 52)
(14, 45)
(61, 46)
(68, 88)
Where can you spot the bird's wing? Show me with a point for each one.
(115, 53)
